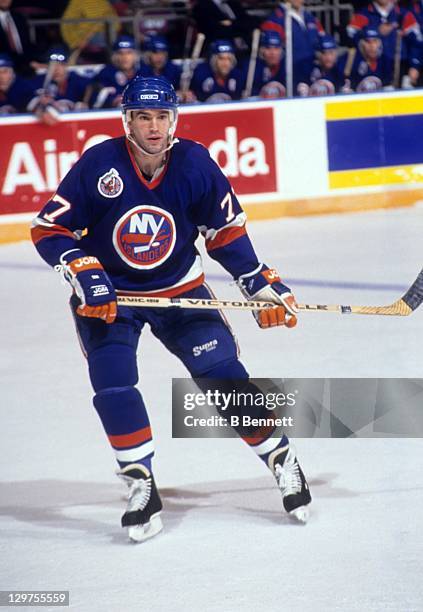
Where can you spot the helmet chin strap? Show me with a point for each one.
(143, 151)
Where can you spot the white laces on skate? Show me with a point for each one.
(139, 492)
(288, 475)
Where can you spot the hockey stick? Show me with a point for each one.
(409, 302)
(397, 60)
(255, 41)
(191, 62)
(289, 52)
(352, 51)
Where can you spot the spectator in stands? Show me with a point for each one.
(327, 76)
(108, 85)
(15, 92)
(306, 32)
(156, 62)
(388, 18)
(88, 39)
(225, 19)
(372, 69)
(269, 75)
(14, 38)
(59, 90)
(218, 79)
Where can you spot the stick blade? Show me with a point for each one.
(398, 309)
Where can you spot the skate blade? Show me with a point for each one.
(300, 514)
(140, 533)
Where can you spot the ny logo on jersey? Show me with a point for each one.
(144, 237)
(110, 185)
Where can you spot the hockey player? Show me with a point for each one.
(327, 77)
(372, 70)
(15, 92)
(218, 79)
(110, 82)
(143, 198)
(387, 18)
(306, 31)
(157, 64)
(59, 90)
(269, 73)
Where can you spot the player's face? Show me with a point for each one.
(6, 77)
(371, 48)
(224, 64)
(150, 129)
(297, 4)
(328, 59)
(272, 55)
(59, 71)
(124, 59)
(5, 4)
(158, 59)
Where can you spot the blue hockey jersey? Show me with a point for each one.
(68, 93)
(370, 76)
(205, 84)
(143, 232)
(17, 97)
(263, 74)
(108, 85)
(306, 32)
(170, 71)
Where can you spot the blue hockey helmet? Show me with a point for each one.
(58, 54)
(149, 93)
(221, 46)
(5, 61)
(270, 39)
(369, 32)
(327, 43)
(122, 43)
(157, 44)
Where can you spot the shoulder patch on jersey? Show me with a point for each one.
(110, 185)
(144, 237)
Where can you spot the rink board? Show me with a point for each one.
(283, 158)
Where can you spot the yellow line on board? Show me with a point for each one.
(14, 232)
(380, 107)
(391, 175)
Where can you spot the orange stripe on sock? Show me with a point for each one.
(260, 435)
(131, 439)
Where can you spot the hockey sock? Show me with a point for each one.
(125, 420)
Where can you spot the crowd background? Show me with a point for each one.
(79, 54)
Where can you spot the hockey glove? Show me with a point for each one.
(264, 284)
(91, 284)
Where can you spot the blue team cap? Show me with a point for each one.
(57, 54)
(221, 46)
(124, 42)
(369, 32)
(5, 61)
(327, 43)
(157, 44)
(270, 39)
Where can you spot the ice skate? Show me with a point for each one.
(142, 516)
(292, 483)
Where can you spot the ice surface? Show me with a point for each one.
(226, 545)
